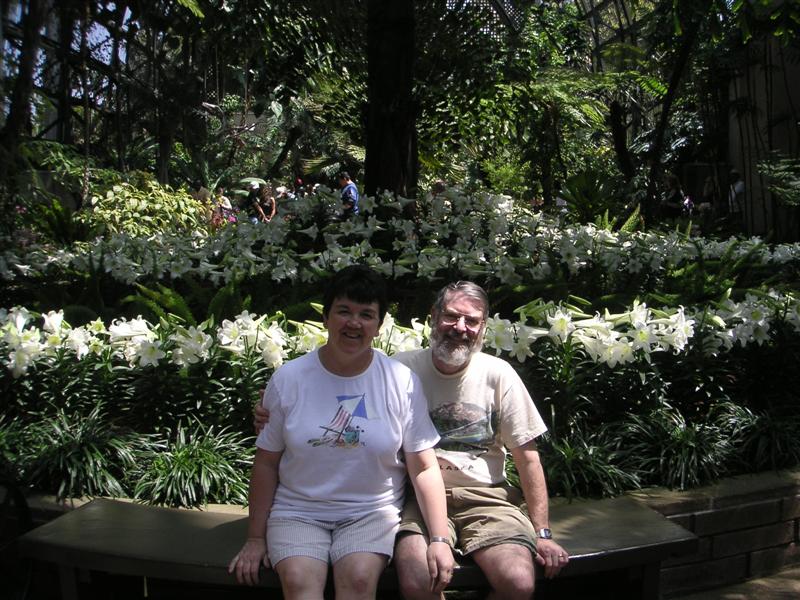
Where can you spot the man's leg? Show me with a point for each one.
(356, 575)
(302, 577)
(410, 558)
(509, 569)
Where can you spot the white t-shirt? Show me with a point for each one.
(343, 437)
(479, 412)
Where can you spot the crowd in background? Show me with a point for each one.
(258, 201)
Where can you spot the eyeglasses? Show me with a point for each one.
(451, 318)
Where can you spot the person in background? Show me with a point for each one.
(671, 205)
(348, 427)
(736, 196)
(267, 202)
(251, 204)
(223, 210)
(349, 195)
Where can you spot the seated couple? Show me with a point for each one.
(347, 426)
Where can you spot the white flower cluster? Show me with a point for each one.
(636, 333)
(612, 339)
(478, 235)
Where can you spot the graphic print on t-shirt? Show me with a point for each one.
(341, 432)
(465, 427)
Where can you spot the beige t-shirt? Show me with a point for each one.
(479, 412)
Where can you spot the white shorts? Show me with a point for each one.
(329, 541)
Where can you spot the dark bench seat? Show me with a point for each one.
(619, 535)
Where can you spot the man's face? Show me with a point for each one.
(457, 331)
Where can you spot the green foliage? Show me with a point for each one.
(589, 196)
(784, 178)
(78, 454)
(161, 303)
(60, 224)
(587, 465)
(196, 467)
(662, 447)
(143, 211)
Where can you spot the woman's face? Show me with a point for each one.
(351, 327)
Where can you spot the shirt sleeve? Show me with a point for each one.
(520, 419)
(271, 437)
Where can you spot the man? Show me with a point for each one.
(251, 205)
(736, 195)
(481, 409)
(349, 195)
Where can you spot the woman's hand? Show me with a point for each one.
(249, 560)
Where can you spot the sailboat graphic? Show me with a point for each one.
(340, 432)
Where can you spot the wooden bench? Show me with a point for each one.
(618, 537)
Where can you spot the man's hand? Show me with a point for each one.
(551, 556)
(260, 414)
(249, 559)
(440, 566)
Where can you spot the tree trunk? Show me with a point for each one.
(682, 57)
(619, 133)
(391, 150)
(19, 114)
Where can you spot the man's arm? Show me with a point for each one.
(263, 482)
(423, 470)
(534, 487)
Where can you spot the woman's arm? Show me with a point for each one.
(423, 470)
(263, 483)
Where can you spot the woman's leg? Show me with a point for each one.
(355, 576)
(360, 549)
(302, 577)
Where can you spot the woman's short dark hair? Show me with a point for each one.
(358, 283)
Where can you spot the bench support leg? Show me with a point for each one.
(651, 582)
(69, 583)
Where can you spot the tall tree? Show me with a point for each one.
(19, 114)
(391, 151)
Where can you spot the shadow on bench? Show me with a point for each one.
(618, 539)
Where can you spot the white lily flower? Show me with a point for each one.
(561, 325)
(148, 353)
(53, 321)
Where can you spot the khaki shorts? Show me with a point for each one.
(478, 517)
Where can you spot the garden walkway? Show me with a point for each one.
(784, 585)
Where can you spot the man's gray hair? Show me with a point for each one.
(468, 288)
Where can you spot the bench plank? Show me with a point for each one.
(195, 546)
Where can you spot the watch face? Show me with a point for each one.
(545, 534)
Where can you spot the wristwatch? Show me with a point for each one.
(439, 538)
(545, 534)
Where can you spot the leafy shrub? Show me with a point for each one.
(586, 465)
(144, 210)
(196, 467)
(662, 448)
(762, 440)
(78, 454)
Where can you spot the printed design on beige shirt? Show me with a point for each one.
(465, 427)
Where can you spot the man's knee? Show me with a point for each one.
(412, 568)
(509, 570)
(515, 582)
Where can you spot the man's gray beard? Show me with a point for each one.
(451, 352)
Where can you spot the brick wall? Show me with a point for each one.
(748, 526)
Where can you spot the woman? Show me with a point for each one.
(328, 476)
